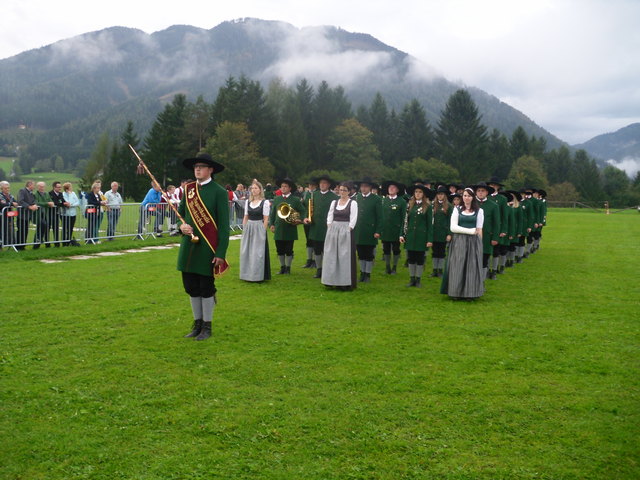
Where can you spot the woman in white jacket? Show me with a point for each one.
(463, 278)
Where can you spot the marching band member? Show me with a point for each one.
(418, 230)
(285, 233)
(464, 274)
(339, 258)
(491, 227)
(441, 233)
(254, 244)
(500, 250)
(368, 227)
(205, 209)
(320, 202)
(394, 207)
(312, 186)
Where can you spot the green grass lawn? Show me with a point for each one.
(538, 379)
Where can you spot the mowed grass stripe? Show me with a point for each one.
(538, 379)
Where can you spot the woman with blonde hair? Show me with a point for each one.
(72, 202)
(254, 245)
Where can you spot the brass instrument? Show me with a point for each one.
(310, 209)
(289, 214)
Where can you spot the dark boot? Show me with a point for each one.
(434, 273)
(412, 282)
(205, 332)
(308, 264)
(195, 330)
(492, 275)
(318, 273)
(362, 275)
(313, 264)
(287, 270)
(440, 272)
(417, 283)
(367, 278)
(282, 271)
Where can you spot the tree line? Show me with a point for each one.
(301, 131)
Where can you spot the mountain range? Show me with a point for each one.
(81, 86)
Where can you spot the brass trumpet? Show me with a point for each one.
(289, 214)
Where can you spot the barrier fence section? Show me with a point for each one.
(52, 226)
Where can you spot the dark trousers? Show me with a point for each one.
(284, 247)
(365, 252)
(388, 247)
(42, 226)
(499, 250)
(306, 236)
(68, 222)
(113, 216)
(439, 249)
(318, 247)
(54, 223)
(415, 257)
(197, 285)
(485, 260)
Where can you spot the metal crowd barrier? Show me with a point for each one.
(91, 224)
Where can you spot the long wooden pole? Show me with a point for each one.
(194, 238)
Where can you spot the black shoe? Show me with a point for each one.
(434, 273)
(195, 330)
(205, 332)
(313, 264)
(367, 278)
(440, 272)
(308, 264)
(393, 271)
(362, 275)
(282, 271)
(492, 275)
(36, 247)
(417, 283)
(318, 273)
(412, 282)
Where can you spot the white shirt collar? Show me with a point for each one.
(205, 182)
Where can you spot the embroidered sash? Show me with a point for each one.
(204, 222)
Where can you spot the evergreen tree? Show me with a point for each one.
(122, 166)
(616, 186)
(97, 162)
(164, 143)
(519, 143)
(197, 126)
(461, 139)
(586, 177)
(558, 164)
(416, 136)
(499, 155)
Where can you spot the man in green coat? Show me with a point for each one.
(394, 208)
(285, 233)
(320, 202)
(500, 250)
(312, 186)
(205, 209)
(367, 229)
(491, 226)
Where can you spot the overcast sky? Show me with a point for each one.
(572, 66)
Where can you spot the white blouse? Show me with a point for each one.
(455, 228)
(353, 214)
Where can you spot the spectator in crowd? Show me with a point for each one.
(44, 203)
(69, 214)
(92, 213)
(7, 203)
(26, 200)
(114, 204)
(174, 199)
(54, 213)
(242, 195)
(148, 208)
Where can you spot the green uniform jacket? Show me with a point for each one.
(501, 201)
(512, 230)
(544, 211)
(392, 218)
(441, 223)
(419, 227)
(527, 215)
(537, 213)
(369, 219)
(321, 204)
(284, 230)
(197, 257)
(491, 226)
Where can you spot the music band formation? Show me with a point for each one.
(474, 233)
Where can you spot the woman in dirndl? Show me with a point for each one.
(254, 246)
(339, 257)
(463, 277)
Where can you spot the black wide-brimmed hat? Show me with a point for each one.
(203, 158)
(430, 194)
(289, 182)
(327, 178)
(510, 194)
(542, 192)
(366, 181)
(387, 183)
(483, 185)
(495, 181)
(442, 189)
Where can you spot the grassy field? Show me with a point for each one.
(536, 380)
(47, 177)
